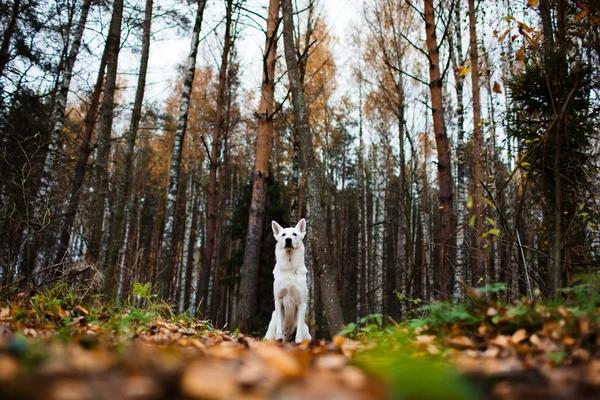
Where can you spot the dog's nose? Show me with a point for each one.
(288, 241)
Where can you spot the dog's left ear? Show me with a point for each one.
(301, 226)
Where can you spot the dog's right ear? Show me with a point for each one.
(276, 228)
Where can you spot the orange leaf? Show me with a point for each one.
(520, 55)
(497, 88)
(532, 3)
(462, 71)
(519, 336)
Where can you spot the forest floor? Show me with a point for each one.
(53, 345)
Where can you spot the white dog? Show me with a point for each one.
(289, 288)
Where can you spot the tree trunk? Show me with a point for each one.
(246, 305)
(477, 196)
(446, 192)
(164, 258)
(311, 167)
(100, 194)
(461, 170)
(85, 149)
(215, 151)
(124, 178)
(48, 179)
(8, 33)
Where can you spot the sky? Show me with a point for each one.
(170, 49)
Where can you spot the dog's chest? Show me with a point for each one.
(289, 275)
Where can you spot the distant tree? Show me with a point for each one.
(311, 171)
(165, 253)
(246, 304)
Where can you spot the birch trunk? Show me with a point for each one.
(215, 152)
(310, 166)
(445, 234)
(479, 259)
(165, 254)
(458, 60)
(124, 179)
(100, 194)
(85, 149)
(48, 178)
(246, 305)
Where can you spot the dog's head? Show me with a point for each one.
(289, 238)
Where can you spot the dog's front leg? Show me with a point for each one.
(300, 324)
(271, 331)
(278, 319)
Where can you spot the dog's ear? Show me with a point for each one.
(276, 228)
(301, 226)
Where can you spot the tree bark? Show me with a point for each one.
(124, 178)
(311, 167)
(103, 141)
(446, 190)
(246, 304)
(85, 149)
(211, 226)
(164, 259)
(48, 179)
(8, 33)
(477, 196)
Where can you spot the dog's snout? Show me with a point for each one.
(288, 242)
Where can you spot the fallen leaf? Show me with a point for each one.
(460, 341)
(519, 336)
(532, 3)
(497, 88)
(425, 339)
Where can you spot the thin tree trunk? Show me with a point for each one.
(125, 178)
(100, 194)
(85, 149)
(446, 191)
(246, 305)
(164, 258)
(215, 152)
(48, 179)
(479, 260)
(311, 167)
(8, 33)
(461, 185)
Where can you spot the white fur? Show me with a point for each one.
(289, 272)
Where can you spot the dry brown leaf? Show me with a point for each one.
(279, 360)
(338, 341)
(432, 349)
(496, 89)
(331, 361)
(425, 339)
(460, 341)
(519, 336)
(9, 367)
(500, 340)
(207, 379)
(5, 313)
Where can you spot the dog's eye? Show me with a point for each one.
(295, 234)
(283, 234)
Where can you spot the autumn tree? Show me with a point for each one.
(246, 306)
(165, 253)
(311, 170)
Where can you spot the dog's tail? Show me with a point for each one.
(290, 299)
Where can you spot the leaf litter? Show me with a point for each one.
(70, 350)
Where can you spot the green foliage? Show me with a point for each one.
(410, 372)
(366, 326)
(440, 314)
